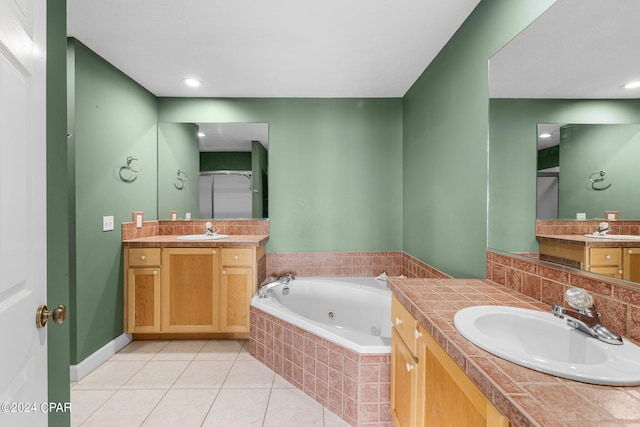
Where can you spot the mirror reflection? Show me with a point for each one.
(565, 73)
(585, 170)
(213, 170)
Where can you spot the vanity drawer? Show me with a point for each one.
(141, 257)
(605, 256)
(236, 257)
(405, 324)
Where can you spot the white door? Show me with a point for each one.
(23, 348)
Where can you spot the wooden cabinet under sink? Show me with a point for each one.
(427, 386)
(177, 291)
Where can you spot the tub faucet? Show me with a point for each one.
(584, 318)
(272, 282)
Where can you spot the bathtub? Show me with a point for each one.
(353, 312)
(330, 337)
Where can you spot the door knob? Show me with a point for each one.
(43, 315)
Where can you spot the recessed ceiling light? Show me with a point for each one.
(189, 81)
(632, 85)
(200, 134)
(545, 135)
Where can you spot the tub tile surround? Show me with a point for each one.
(349, 264)
(354, 386)
(525, 396)
(617, 301)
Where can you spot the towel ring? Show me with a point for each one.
(600, 178)
(133, 172)
(181, 177)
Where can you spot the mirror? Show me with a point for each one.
(588, 169)
(566, 68)
(213, 170)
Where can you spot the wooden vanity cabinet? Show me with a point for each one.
(236, 289)
(605, 260)
(201, 290)
(631, 263)
(142, 299)
(427, 387)
(190, 290)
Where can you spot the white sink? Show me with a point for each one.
(201, 237)
(630, 237)
(540, 341)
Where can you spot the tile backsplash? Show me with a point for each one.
(181, 227)
(560, 227)
(617, 301)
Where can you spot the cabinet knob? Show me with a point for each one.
(214, 251)
(630, 251)
(607, 256)
(224, 272)
(142, 257)
(409, 367)
(235, 257)
(155, 272)
(417, 333)
(619, 271)
(398, 321)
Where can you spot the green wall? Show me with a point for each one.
(178, 149)
(335, 181)
(512, 159)
(588, 149)
(58, 336)
(445, 142)
(110, 117)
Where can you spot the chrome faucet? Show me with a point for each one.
(272, 282)
(584, 318)
(208, 229)
(603, 229)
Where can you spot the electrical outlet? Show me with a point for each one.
(107, 223)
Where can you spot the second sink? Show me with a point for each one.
(540, 341)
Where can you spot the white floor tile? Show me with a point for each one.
(204, 374)
(332, 420)
(139, 350)
(109, 375)
(220, 350)
(157, 374)
(249, 374)
(182, 408)
(238, 408)
(180, 350)
(244, 353)
(85, 402)
(287, 407)
(280, 382)
(126, 408)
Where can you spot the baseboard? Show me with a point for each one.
(103, 354)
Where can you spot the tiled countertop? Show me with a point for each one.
(173, 242)
(525, 396)
(581, 240)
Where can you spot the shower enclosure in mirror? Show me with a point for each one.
(213, 170)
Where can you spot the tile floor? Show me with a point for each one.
(191, 383)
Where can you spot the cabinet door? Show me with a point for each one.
(450, 398)
(631, 264)
(190, 290)
(143, 300)
(404, 383)
(236, 292)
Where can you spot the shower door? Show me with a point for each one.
(225, 194)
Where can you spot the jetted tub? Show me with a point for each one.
(353, 312)
(331, 338)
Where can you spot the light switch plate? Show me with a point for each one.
(107, 223)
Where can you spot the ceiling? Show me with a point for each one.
(276, 48)
(232, 136)
(576, 49)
